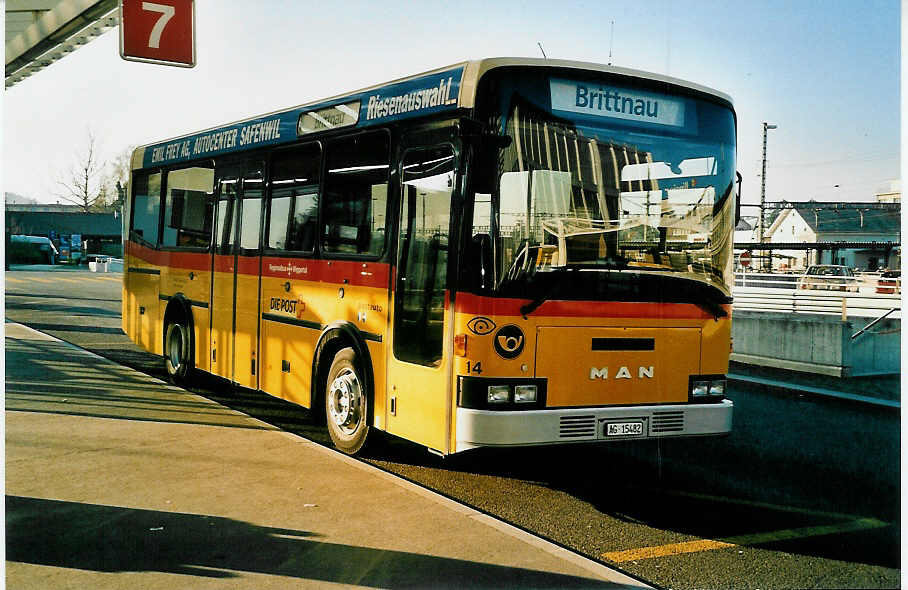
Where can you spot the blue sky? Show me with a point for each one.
(827, 73)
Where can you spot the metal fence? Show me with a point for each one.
(782, 298)
(865, 281)
(767, 280)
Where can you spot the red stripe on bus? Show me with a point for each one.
(186, 260)
(248, 265)
(189, 260)
(469, 303)
(348, 272)
(223, 263)
(142, 253)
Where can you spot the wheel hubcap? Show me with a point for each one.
(345, 401)
(176, 346)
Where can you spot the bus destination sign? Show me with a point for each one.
(603, 100)
(340, 115)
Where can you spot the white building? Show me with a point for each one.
(813, 222)
(889, 192)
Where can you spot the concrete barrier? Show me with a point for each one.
(818, 344)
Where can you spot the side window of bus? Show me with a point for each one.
(188, 207)
(293, 215)
(251, 212)
(146, 212)
(477, 266)
(356, 194)
(225, 228)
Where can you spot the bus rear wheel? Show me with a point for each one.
(347, 403)
(177, 351)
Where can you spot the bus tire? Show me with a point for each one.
(178, 351)
(347, 403)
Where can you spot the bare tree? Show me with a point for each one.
(83, 185)
(116, 179)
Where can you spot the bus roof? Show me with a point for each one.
(431, 92)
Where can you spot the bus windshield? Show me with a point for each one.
(601, 176)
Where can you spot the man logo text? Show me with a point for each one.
(622, 373)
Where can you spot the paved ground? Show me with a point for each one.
(116, 480)
(803, 493)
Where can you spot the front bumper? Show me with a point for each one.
(484, 428)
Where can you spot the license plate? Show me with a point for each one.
(624, 429)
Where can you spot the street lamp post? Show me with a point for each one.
(766, 127)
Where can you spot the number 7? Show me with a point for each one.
(167, 12)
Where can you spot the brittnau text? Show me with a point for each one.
(621, 103)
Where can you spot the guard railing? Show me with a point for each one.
(865, 303)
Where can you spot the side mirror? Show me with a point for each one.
(739, 182)
(472, 128)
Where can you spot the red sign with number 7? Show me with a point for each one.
(158, 31)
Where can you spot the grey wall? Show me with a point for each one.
(816, 343)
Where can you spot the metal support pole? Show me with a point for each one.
(766, 127)
(873, 323)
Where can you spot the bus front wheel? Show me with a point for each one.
(177, 351)
(346, 403)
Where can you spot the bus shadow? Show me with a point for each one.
(747, 523)
(76, 328)
(69, 310)
(634, 483)
(261, 406)
(47, 376)
(67, 297)
(113, 539)
(275, 412)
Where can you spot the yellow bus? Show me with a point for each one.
(502, 252)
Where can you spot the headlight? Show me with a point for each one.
(499, 394)
(700, 388)
(708, 387)
(717, 387)
(502, 394)
(525, 394)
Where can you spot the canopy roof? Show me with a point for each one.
(40, 32)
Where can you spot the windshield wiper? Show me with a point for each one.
(610, 263)
(548, 292)
(712, 308)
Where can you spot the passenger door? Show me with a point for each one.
(419, 406)
(223, 275)
(235, 276)
(246, 323)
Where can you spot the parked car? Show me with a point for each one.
(31, 250)
(890, 282)
(830, 277)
